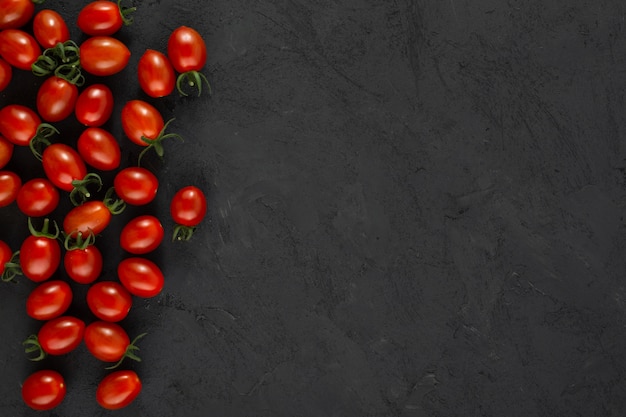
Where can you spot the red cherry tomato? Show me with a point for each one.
(91, 216)
(135, 185)
(94, 105)
(62, 165)
(15, 13)
(50, 28)
(56, 99)
(188, 206)
(103, 18)
(40, 254)
(156, 74)
(99, 149)
(6, 151)
(6, 74)
(10, 184)
(103, 55)
(19, 48)
(141, 119)
(61, 335)
(140, 276)
(5, 255)
(45, 389)
(141, 235)
(18, 124)
(109, 301)
(49, 300)
(186, 50)
(118, 389)
(83, 265)
(37, 197)
(108, 341)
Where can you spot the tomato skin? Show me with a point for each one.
(5, 255)
(100, 18)
(103, 55)
(18, 124)
(156, 74)
(19, 48)
(140, 276)
(107, 341)
(186, 50)
(6, 74)
(56, 99)
(135, 185)
(83, 265)
(49, 300)
(37, 197)
(118, 389)
(10, 184)
(62, 165)
(50, 28)
(99, 149)
(44, 389)
(141, 235)
(40, 257)
(109, 301)
(140, 118)
(94, 105)
(188, 206)
(61, 335)
(6, 151)
(91, 216)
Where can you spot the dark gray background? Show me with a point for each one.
(416, 208)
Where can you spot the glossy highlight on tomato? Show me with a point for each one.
(94, 105)
(141, 119)
(187, 208)
(40, 253)
(61, 335)
(19, 48)
(56, 99)
(155, 74)
(99, 149)
(109, 342)
(140, 276)
(187, 53)
(10, 184)
(63, 165)
(49, 300)
(15, 13)
(83, 265)
(135, 185)
(44, 389)
(18, 124)
(91, 216)
(118, 389)
(103, 55)
(37, 197)
(50, 28)
(109, 301)
(141, 235)
(103, 18)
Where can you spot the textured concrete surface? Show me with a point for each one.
(416, 209)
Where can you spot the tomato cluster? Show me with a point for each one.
(58, 256)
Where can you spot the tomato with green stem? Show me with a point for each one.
(92, 216)
(118, 389)
(109, 342)
(19, 48)
(6, 74)
(37, 197)
(49, 300)
(140, 276)
(109, 301)
(58, 336)
(103, 56)
(56, 99)
(50, 28)
(104, 18)
(10, 184)
(20, 124)
(94, 105)
(187, 53)
(44, 389)
(99, 149)
(141, 235)
(40, 253)
(187, 208)
(136, 185)
(155, 74)
(82, 259)
(9, 262)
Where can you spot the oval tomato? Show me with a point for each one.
(50, 28)
(103, 18)
(83, 265)
(44, 389)
(140, 276)
(141, 235)
(103, 55)
(156, 74)
(99, 149)
(109, 301)
(118, 389)
(40, 256)
(6, 151)
(62, 165)
(19, 48)
(6, 74)
(10, 184)
(18, 124)
(91, 216)
(141, 120)
(49, 300)
(135, 185)
(56, 99)
(186, 49)
(109, 342)
(15, 13)
(94, 105)
(61, 335)
(37, 197)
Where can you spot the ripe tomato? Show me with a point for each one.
(135, 185)
(49, 300)
(118, 389)
(103, 18)
(92, 216)
(18, 124)
(56, 99)
(5, 257)
(37, 197)
(99, 149)
(155, 73)
(15, 13)
(94, 105)
(6, 151)
(10, 184)
(49, 28)
(63, 165)
(83, 265)
(109, 342)
(103, 55)
(6, 73)
(187, 53)
(44, 389)
(19, 48)
(188, 208)
(40, 253)
(141, 235)
(61, 335)
(141, 120)
(109, 301)
(140, 276)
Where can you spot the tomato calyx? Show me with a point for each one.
(182, 232)
(129, 352)
(40, 140)
(193, 79)
(115, 205)
(81, 193)
(62, 60)
(125, 13)
(79, 242)
(156, 143)
(44, 229)
(12, 268)
(32, 345)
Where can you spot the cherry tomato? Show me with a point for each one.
(118, 389)
(103, 55)
(40, 254)
(5, 255)
(18, 124)
(103, 18)
(188, 208)
(62, 165)
(141, 235)
(49, 300)
(44, 389)
(140, 276)
(10, 184)
(49, 28)
(19, 48)
(141, 119)
(187, 53)
(37, 197)
(61, 335)
(99, 149)
(6, 74)
(135, 185)
(56, 99)
(83, 265)
(94, 105)
(109, 301)
(6, 151)
(92, 216)
(155, 73)
(109, 342)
